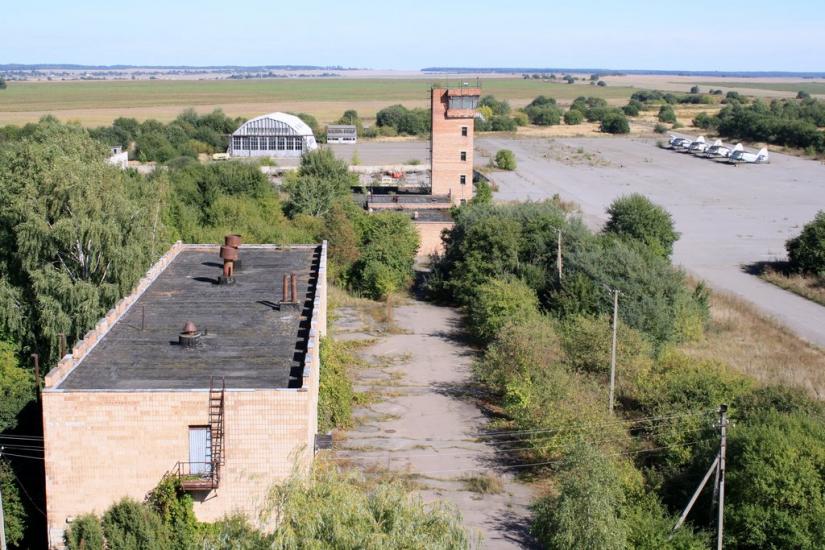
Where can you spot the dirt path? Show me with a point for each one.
(426, 424)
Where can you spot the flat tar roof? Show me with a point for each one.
(249, 339)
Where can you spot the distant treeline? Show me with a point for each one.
(787, 122)
(609, 72)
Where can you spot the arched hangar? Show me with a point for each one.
(273, 135)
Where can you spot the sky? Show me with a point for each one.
(746, 35)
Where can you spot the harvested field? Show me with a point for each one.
(99, 102)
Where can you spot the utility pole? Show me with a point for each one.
(718, 466)
(723, 443)
(2, 519)
(558, 253)
(613, 348)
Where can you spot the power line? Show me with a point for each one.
(495, 451)
(25, 492)
(566, 460)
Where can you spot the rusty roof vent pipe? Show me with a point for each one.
(289, 290)
(189, 336)
(229, 254)
(234, 240)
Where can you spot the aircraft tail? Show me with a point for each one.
(717, 143)
(700, 139)
(762, 155)
(738, 147)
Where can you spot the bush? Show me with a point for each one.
(521, 346)
(615, 123)
(128, 525)
(806, 251)
(802, 94)
(544, 116)
(694, 90)
(573, 117)
(85, 533)
(777, 489)
(498, 301)
(389, 244)
(704, 121)
(631, 109)
(601, 83)
(589, 487)
(498, 107)
(587, 343)
(336, 510)
(335, 393)
(636, 217)
(660, 128)
(502, 123)
(666, 114)
(521, 118)
(506, 159)
(14, 519)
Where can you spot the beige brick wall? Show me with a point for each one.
(430, 234)
(447, 145)
(103, 446)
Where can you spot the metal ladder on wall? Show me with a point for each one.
(217, 389)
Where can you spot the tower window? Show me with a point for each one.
(464, 131)
(462, 179)
(463, 155)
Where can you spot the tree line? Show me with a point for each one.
(545, 331)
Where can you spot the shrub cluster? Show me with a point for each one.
(505, 159)
(402, 121)
(546, 362)
(806, 251)
(542, 111)
(187, 136)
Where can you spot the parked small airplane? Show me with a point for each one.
(719, 150)
(740, 156)
(677, 142)
(698, 146)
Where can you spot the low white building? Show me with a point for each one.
(342, 133)
(119, 158)
(277, 135)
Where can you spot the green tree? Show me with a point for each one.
(694, 89)
(13, 510)
(85, 533)
(16, 387)
(506, 159)
(666, 114)
(777, 489)
(350, 116)
(496, 303)
(129, 525)
(321, 180)
(802, 94)
(573, 117)
(636, 217)
(3, 84)
(587, 512)
(806, 251)
(615, 123)
(76, 235)
(388, 248)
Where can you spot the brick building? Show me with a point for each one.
(453, 114)
(451, 145)
(207, 371)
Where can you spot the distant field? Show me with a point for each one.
(810, 87)
(99, 102)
